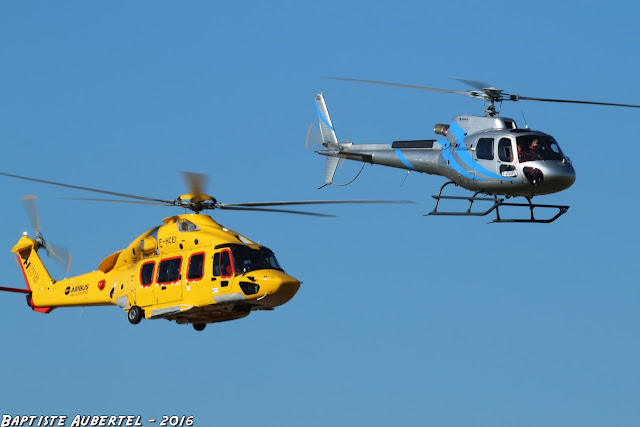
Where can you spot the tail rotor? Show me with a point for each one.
(313, 140)
(60, 254)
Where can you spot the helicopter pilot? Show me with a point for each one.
(527, 154)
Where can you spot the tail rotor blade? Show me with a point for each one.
(306, 141)
(61, 255)
(313, 141)
(31, 206)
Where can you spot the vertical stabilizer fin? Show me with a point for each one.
(35, 273)
(329, 138)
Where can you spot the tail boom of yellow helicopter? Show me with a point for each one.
(47, 293)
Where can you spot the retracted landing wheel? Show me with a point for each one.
(199, 326)
(135, 315)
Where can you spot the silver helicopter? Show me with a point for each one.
(487, 155)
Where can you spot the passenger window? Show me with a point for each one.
(505, 151)
(169, 270)
(196, 267)
(508, 171)
(146, 273)
(216, 264)
(484, 149)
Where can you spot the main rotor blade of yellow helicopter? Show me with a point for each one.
(250, 209)
(308, 202)
(95, 190)
(195, 182)
(128, 202)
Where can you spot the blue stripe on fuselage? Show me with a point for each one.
(459, 169)
(404, 160)
(467, 159)
(458, 132)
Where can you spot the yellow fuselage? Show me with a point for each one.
(191, 270)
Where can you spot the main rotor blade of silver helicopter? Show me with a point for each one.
(571, 101)
(474, 83)
(309, 202)
(95, 190)
(489, 92)
(31, 206)
(432, 89)
(250, 209)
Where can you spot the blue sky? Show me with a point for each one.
(401, 319)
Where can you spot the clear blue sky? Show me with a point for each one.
(401, 319)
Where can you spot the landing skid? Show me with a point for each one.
(496, 204)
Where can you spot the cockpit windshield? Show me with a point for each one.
(537, 147)
(246, 259)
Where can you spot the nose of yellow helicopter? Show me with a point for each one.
(273, 287)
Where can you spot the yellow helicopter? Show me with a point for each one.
(190, 269)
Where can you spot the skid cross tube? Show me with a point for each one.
(497, 202)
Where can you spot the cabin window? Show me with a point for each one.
(196, 267)
(146, 273)
(538, 147)
(505, 151)
(169, 270)
(484, 149)
(246, 259)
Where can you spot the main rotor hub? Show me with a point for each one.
(492, 95)
(196, 202)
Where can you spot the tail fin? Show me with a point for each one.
(35, 273)
(329, 139)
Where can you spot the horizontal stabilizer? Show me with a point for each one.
(16, 290)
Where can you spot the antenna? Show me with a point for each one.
(526, 125)
(405, 178)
